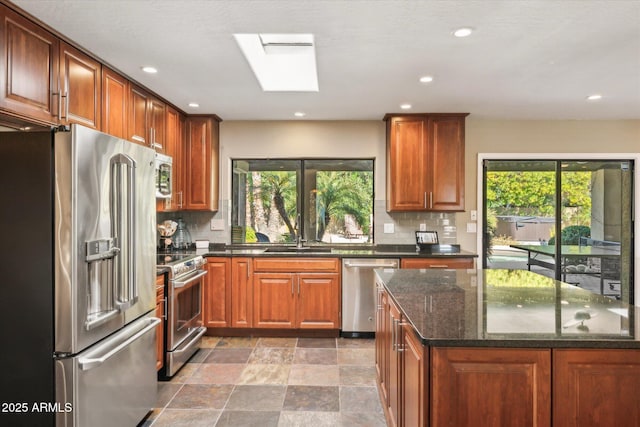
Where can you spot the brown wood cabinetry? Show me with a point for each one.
(173, 146)
(241, 293)
(146, 119)
(115, 90)
(216, 298)
(425, 162)
(440, 262)
(382, 341)
(394, 381)
(296, 293)
(498, 386)
(29, 71)
(415, 393)
(201, 157)
(160, 314)
(596, 387)
(80, 88)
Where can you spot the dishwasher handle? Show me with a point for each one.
(391, 264)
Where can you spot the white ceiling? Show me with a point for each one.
(525, 60)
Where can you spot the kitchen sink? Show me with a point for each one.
(304, 249)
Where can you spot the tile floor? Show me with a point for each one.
(273, 382)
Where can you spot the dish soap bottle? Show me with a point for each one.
(182, 237)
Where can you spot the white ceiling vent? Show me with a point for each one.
(281, 62)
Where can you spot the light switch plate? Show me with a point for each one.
(471, 227)
(389, 227)
(474, 215)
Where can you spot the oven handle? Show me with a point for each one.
(189, 280)
(184, 347)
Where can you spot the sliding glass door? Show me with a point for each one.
(566, 219)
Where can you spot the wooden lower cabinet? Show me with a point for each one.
(382, 342)
(394, 382)
(160, 314)
(274, 300)
(594, 388)
(490, 387)
(216, 298)
(414, 390)
(241, 293)
(298, 293)
(440, 262)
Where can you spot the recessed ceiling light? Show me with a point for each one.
(150, 70)
(463, 32)
(426, 79)
(281, 62)
(299, 114)
(405, 106)
(594, 97)
(194, 105)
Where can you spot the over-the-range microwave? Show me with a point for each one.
(164, 166)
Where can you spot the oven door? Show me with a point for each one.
(184, 328)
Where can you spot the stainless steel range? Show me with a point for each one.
(184, 328)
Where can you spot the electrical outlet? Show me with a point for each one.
(471, 227)
(389, 227)
(423, 227)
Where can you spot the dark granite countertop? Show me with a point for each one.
(508, 308)
(379, 251)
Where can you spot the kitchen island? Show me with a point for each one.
(503, 347)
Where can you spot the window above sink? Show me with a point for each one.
(320, 201)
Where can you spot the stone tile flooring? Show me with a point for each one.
(273, 382)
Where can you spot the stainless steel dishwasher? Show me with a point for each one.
(358, 294)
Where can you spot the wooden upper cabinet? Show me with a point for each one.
(173, 146)
(425, 162)
(115, 90)
(157, 133)
(201, 157)
(138, 117)
(80, 87)
(29, 70)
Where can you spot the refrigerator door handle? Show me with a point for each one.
(123, 220)
(87, 363)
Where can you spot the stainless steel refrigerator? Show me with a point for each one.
(78, 289)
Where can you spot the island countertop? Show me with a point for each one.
(508, 308)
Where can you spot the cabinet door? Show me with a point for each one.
(407, 156)
(274, 304)
(80, 87)
(173, 143)
(395, 369)
(318, 301)
(157, 132)
(160, 314)
(382, 343)
(436, 263)
(115, 89)
(201, 164)
(596, 387)
(217, 294)
(500, 387)
(446, 169)
(414, 390)
(138, 118)
(241, 293)
(29, 71)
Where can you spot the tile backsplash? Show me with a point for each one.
(405, 224)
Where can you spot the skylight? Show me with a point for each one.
(281, 62)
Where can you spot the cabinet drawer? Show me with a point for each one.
(436, 263)
(294, 265)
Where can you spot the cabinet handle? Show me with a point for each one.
(166, 308)
(180, 202)
(292, 285)
(425, 199)
(438, 266)
(393, 332)
(399, 346)
(298, 279)
(430, 199)
(54, 94)
(66, 105)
